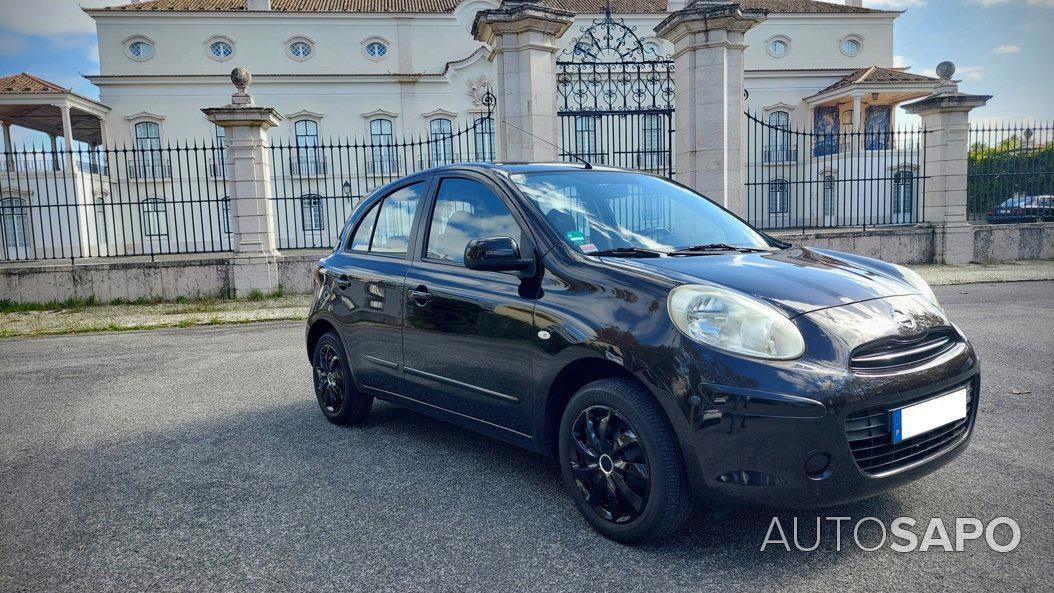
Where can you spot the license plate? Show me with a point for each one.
(933, 413)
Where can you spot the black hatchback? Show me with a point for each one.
(660, 348)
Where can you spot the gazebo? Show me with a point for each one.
(33, 103)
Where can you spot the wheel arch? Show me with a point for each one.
(317, 329)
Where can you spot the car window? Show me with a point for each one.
(394, 219)
(360, 239)
(465, 210)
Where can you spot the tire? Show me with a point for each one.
(335, 390)
(663, 500)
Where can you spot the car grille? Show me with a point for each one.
(891, 355)
(871, 439)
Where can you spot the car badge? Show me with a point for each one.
(902, 319)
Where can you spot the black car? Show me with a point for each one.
(1022, 209)
(660, 348)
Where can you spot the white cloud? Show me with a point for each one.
(902, 61)
(1006, 49)
(892, 4)
(1046, 3)
(50, 17)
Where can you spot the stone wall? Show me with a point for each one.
(899, 245)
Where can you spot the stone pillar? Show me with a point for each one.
(708, 69)
(255, 262)
(8, 147)
(946, 121)
(522, 37)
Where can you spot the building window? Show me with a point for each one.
(654, 143)
(441, 139)
(585, 136)
(314, 212)
(382, 147)
(375, 49)
(484, 139)
(779, 137)
(16, 226)
(829, 195)
(851, 46)
(148, 163)
(308, 159)
(140, 49)
(779, 196)
(225, 219)
(155, 219)
(221, 49)
(903, 193)
(300, 49)
(778, 47)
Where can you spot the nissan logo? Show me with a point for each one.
(903, 319)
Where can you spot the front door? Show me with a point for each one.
(366, 279)
(467, 340)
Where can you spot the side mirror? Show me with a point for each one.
(495, 254)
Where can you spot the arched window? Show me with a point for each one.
(306, 131)
(779, 196)
(484, 139)
(225, 218)
(102, 239)
(314, 212)
(383, 150)
(441, 140)
(653, 141)
(155, 217)
(830, 197)
(779, 137)
(586, 137)
(903, 195)
(16, 228)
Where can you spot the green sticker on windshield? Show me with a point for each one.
(575, 236)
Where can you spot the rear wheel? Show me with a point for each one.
(335, 390)
(622, 464)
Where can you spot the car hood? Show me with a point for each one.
(797, 280)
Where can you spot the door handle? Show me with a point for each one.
(420, 295)
(342, 281)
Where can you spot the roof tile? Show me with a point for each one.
(24, 83)
(877, 75)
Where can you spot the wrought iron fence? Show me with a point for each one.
(113, 202)
(1010, 172)
(813, 179)
(316, 187)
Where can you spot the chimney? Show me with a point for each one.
(854, 3)
(261, 5)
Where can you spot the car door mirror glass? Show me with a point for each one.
(495, 254)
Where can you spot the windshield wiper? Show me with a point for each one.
(628, 252)
(716, 247)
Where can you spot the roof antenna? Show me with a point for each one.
(571, 154)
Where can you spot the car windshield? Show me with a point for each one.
(599, 211)
(1018, 201)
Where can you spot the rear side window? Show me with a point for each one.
(360, 240)
(391, 235)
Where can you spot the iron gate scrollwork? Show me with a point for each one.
(615, 97)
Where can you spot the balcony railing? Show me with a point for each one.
(307, 165)
(148, 166)
(780, 154)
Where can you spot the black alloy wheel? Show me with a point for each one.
(340, 400)
(609, 464)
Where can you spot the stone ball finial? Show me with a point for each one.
(945, 70)
(241, 78)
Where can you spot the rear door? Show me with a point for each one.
(366, 276)
(468, 334)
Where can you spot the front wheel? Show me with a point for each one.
(622, 464)
(335, 390)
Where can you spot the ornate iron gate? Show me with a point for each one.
(615, 99)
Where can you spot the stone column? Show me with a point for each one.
(946, 121)
(708, 69)
(255, 262)
(522, 37)
(8, 147)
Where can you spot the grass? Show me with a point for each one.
(74, 304)
(116, 327)
(70, 304)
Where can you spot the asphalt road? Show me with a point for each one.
(196, 460)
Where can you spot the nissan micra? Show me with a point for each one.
(663, 350)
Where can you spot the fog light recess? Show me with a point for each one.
(818, 466)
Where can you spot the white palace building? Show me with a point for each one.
(383, 69)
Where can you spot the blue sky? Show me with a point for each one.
(1001, 47)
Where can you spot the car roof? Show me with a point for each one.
(524, 167)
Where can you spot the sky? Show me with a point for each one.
(1000, 47)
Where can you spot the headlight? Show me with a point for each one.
(912, 277)
(732, 321)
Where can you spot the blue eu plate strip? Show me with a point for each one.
(896, 427)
